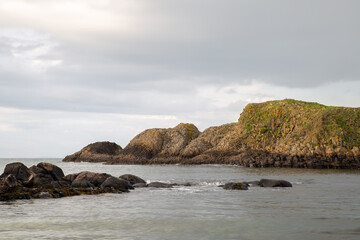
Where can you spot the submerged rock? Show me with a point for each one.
(160, 185)
(140, 185)
(236, 186)
(274, 183)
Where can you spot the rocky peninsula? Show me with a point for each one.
(286, 133)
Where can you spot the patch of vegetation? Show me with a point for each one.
(291, 121)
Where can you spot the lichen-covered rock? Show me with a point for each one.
(158, 143)
(207, 140)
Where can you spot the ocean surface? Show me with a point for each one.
(323, 204)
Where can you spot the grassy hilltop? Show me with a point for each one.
(289, 121)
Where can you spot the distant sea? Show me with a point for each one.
(323, 204)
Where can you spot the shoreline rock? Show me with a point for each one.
(46, 181)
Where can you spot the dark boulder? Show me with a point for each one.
(56, 172)
(82, 184)
(274, 183)
(89, 179)
(132, 179)
(42, 179)
(95, 152)
(236, 186)
(18, 170)
(160, 185)
(116, 183)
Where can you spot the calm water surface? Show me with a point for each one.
(323, 204)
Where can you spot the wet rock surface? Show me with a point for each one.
(46, 180)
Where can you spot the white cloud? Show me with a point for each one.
(27, 50)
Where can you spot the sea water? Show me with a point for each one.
(322, 204)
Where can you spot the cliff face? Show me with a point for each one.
(285, 133)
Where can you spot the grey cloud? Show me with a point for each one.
(180, 46)
(294, 44)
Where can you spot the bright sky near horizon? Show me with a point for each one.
(74, 72)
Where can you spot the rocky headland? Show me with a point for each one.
(286, 133)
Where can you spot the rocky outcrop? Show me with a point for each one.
(155, 145)
(95, 152)
(46, 180)
(285, 133)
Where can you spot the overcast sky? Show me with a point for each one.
(74, 72)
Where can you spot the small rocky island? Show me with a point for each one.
(46, 180)
(286, 133)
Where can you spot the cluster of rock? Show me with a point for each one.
(285, 133)
(46, 180)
